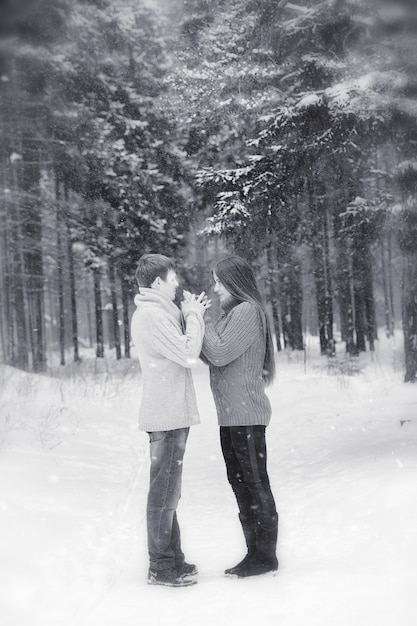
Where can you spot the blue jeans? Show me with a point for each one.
(164, 541)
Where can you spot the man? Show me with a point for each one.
(168, 344)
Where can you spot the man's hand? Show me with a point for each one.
(198, 304)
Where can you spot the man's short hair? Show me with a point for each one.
(150, 266)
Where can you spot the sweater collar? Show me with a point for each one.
(151, 296)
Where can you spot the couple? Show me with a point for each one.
(239, 351)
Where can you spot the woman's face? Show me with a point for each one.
(221, 290)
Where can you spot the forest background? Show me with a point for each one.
(283, 131)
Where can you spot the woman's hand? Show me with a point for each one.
(193, 303)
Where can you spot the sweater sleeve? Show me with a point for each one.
(221, 348)
(182, 348)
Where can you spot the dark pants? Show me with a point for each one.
(164, 541)
(244, 452)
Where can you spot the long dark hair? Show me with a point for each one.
(237, 276)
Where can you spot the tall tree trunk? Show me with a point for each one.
(409, 315)
(408, 245)
(321, 265)
(115, 316)
(389, 321)
(273, 277)
(4, 296)
(73, 292)
(98, 314)
(328, 300)
(19, 319)
(33, 252)
(390, 280)
(126, 320)
(61, 309)
(364, 297)
(369, 302)
(346, 294)
(359, 317)
(6, 325)
(380, 187)
(346, 181)
(20, 356)
(291, 299)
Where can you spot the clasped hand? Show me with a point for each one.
(191, 302)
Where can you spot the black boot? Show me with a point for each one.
(254, 566)
(266, 539)
(264, 560)
(249, 531)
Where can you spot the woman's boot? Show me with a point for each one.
(264, 559)
(249, 531)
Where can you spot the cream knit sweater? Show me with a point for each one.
(166, 353)
(235, 349)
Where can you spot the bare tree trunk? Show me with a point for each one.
(33, 252)
(115, 316)
(328, 302)
(273, 277)
(276, 318)
(359, 318)
(316, 221)
(18, 327)
(389, 322)
(369, 302)
(4, 298)
(19, 319)
(346, 295)
(408, 245)
(98, 314)
(291, 299)
(61, 310)
(385, 250)
(409, 314)
(365, 323)
(390, 284)
(73, 292)
(126, 320)
(321, 267)
(6, 326)
(19, 348)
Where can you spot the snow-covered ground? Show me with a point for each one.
(343, 466)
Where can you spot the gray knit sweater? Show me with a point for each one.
(166, 353)
(235, 350)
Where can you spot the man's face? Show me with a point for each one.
(168, 286)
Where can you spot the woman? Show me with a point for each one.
(239, 350)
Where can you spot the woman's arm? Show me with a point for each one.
(240, 332)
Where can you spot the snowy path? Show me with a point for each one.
(343, 466)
